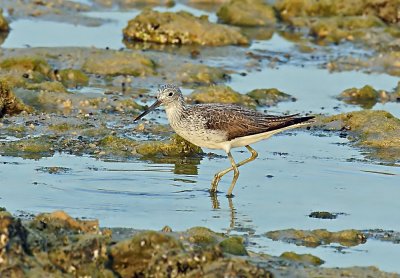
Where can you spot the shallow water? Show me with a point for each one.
(315, 177)
(310, 171)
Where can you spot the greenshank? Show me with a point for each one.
(221, 126)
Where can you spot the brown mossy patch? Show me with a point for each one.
(304, 258)
(269, 97)
(201, 74)
(247, 13)
(314, 238)
(116, 63)
(220, 94)
(9, 103)
(180, 28)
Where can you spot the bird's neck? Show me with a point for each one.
(175, 110)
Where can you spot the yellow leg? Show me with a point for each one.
(219, 175)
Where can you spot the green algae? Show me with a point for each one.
(314, 238)
(201, 74)
(117, 146)
(220, 94)
(247, 13)
(269, 97)
(9, 103)
(73, 78)
(233, 245)
(304, 258)
(180, 28)
(366, 96)
(119, 63)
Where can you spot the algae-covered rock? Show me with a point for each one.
(115, 63)
(33, 148)
(201, 74)
(203, 236)
(180, 28)
(379, 130)
(176, 146)
(247, 13)
(9, 103)
(132, 257)
(48, 86)
(366, 96)
(304, 258)
(314, 238)
(220, 94)
(387, 10)
(72, 78)
(337, 28)
(234, 245)
(60, 220)
(323, 215)
(27, 64)
(4, 27)
(269, 97)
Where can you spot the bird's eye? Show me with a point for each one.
(170, 94)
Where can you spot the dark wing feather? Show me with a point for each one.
(238, 121)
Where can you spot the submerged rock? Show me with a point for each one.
(314, 238)
(323, 215)
(9, 103)
(305, 258)
(247, 13)
(269, 97)
(220, 94)
(115, 63)
(180, 28)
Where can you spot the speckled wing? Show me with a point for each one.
(238, 121)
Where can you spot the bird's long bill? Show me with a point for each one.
(148, 110)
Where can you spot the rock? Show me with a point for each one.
(304, 258)
(220, 94)
(73, 78)
(269, 97)
(314, 238)
(387, 10)
(59, 220)
(376, 129)
(115, 63)
(201, 74)
(176, 146)
(202, 236)
(133, 257)
(323, 215)
(233, 245)
(4, 27)
(9, 103)
(180, 28)
(247, 13)
(27, 64)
